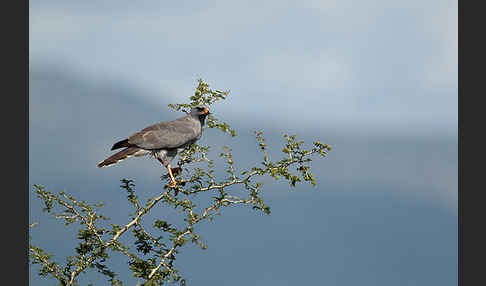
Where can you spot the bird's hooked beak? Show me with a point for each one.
(205, 111)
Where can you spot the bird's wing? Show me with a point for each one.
(171, 134)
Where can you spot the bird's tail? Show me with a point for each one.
(122, 155)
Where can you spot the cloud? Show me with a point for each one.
(441, 68)
(313, 47)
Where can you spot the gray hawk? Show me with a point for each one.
(163, 140)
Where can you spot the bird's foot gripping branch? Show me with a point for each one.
(151, 245)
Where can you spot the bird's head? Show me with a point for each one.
(200, 111)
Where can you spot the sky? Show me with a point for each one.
(376, 80)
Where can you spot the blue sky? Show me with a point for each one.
(377, 80)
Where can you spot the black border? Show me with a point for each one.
(15, 133)
(470, 144)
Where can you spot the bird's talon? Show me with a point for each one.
(172, 184)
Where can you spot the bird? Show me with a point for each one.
(163, 140)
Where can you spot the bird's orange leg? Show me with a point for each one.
(173, 182)
(172, 179)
